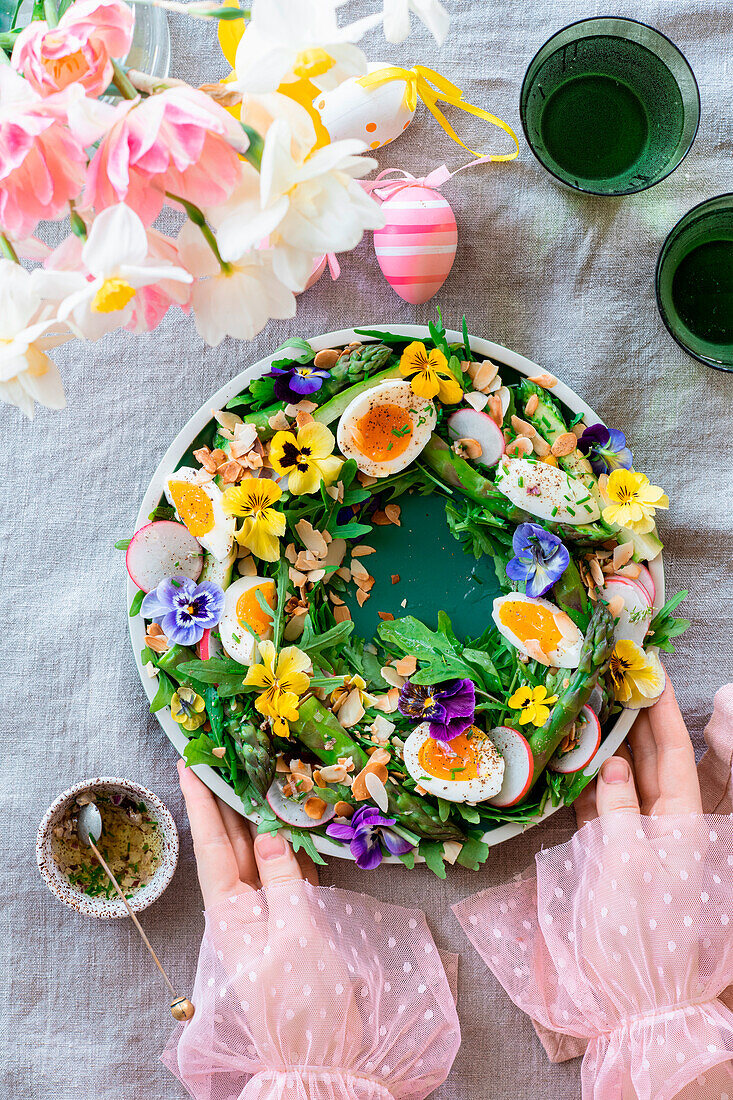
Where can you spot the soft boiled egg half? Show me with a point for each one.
(546, 492)
(539, 629)
(199, 508)
(467, 769)
(385, 428)
(244, 614)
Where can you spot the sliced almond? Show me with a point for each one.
(483, 374)
(377, 790)
(632, 570)
(519, 446)
(301, 782)
(359, 788)
(406, 665)
(392, 676)
(545, 381)
(387, 703)
(341, 614)
(564, 444)
(327, 358)
(622, 554)
(362, 550)
(379, 519)
(597, 573)
(228, 419)
(541, 446)
(343, 809)
(203, 455)
(279, 422)
(219, 751)
(333, 773)
(521, 427)
(303, 418)
(468, 448)
(477, 400)
(535, 650)
(366, 480)
(532, 403)
(281, 764)
(315, 807)
(380, 755)
(230, 472)
(392, 512)
(494, 409)
(386, 616)
(451, 851)
(362, 596)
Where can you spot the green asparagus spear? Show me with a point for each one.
(418, 815)
(570, 594)
(594, 658)
(252, 746)
(323, 734)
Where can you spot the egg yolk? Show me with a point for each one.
(384, 432)
(249, 612)
(454, 760)
(531, 620)
(193, 506)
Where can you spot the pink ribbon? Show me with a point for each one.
(383, 187)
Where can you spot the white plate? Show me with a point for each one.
(180, 445)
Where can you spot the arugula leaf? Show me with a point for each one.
(468, 813)
(432, 853)
(473, 853)
(490, 675)
(199, 751)
(664, 626)
(466, 341)
(164, 694)
(352, 530)
(217, 670)
(408, 858)
(311, 642)
(136, 603)
(162, 511)
(300, 838)
(302, 351)
(390, 338)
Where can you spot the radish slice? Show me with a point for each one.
(292, 812)
(472, 424)
(209, 646)
(636, 613)
(518, 766)
(588, 740)
(163, 549)
(646, 581)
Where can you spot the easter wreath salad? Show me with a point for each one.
(412, 736)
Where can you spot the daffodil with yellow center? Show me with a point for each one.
(281, 679)
(632, 501)
(638, 676)
(263, 526)
(429, 373)
(112, 295)
(306, 458)
(534, 703)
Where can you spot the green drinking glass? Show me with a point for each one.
(609, 106)
(695, 282)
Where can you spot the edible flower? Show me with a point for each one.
(448, 708)
(534, 704)
(294, 383)
(429, 374)
(606, 448)
(638, 676)
(263, 526)
(188, 708)
(369, 835)
(540, 558)
(632, 500)
(306, 458)
(281, 679)
(184, 609)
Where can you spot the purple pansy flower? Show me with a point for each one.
(606, 448)
(540, 561)
(369, 834)
(448, 707)
(294, 383)
(184, 609)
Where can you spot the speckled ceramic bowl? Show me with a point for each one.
(106, 908)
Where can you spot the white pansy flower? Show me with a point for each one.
(238, 301)
(430, 12)
(307, 205)
(288, 40)
(116, 264)
(27, 374)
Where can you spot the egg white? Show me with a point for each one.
(546, 492)
(392, 392)
(220, 539)
(567, 654)
(236, 639)
(486, 785)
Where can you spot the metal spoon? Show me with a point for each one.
(89, 829)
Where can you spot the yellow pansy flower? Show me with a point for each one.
(188, 709)
(252, 501)
(632, 500)
(638, 676)
(307, 458)
(281, 679)
(429, 374)
(534, 704)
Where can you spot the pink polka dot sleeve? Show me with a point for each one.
(624, 938)
(309, 993)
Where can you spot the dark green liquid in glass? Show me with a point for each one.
(702, 291)
(594, 126)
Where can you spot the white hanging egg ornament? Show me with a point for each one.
(376, 115)
(417, 246)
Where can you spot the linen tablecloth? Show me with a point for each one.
(560, 277)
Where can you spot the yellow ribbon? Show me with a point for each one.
(431, 87)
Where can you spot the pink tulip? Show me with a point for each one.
(178, 141)
(78, 51)
(41, 163)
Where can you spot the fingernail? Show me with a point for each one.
(615, 770)
(270, 846)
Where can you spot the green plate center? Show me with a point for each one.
(435, 574)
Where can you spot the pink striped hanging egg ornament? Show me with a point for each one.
(417, 246)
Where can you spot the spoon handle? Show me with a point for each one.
(134, 919)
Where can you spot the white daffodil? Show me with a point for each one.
(307, 206)
(27, 374)
(430, 12)
(288, 40)
(237, 301)
(115, 265)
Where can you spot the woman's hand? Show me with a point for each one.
(229, 862)
(657, 777)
